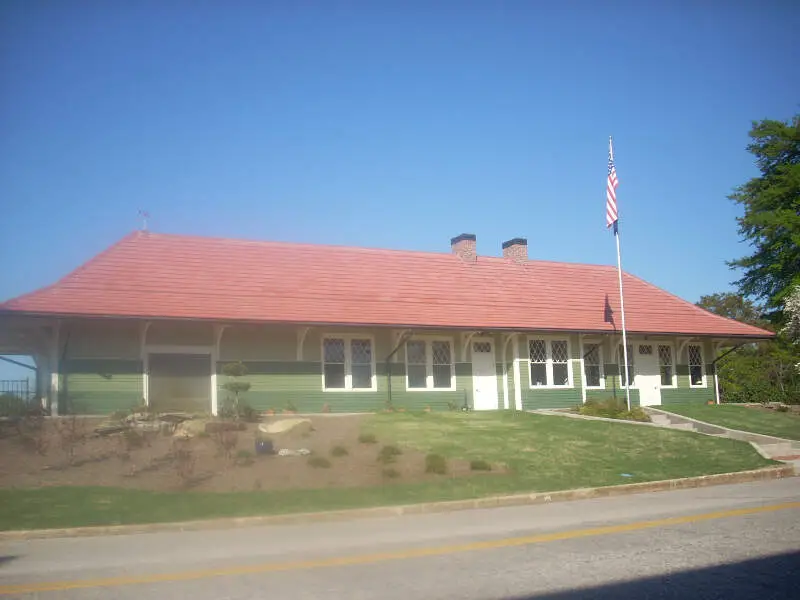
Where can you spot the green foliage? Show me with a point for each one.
(388, 454)
(612, 408)
(244, 458)
(233, 371)
(480, 465)
(734, 306)
(367, 438)
(319, 462)
(339, 451)
(771, 220)
(390, 473)
(435, 463)
(12, 406)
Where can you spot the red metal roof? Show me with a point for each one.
(171, 276)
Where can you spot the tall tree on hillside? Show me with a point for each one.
(771, 220)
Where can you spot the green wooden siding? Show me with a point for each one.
(275, 384)
(101, 386)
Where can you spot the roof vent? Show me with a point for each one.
(516, 249)
(465, 247)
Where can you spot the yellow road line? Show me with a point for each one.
(363, 559)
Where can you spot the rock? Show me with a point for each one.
(109, 428)
(190, 429)
(175, 417)
(286, 426)
(288, 452)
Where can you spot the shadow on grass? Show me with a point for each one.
(768, 578)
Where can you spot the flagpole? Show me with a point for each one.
(612, 218)
(622, 310)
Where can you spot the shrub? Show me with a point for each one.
(367, 438)
(226, 441)
(390, 473)
(388, 454)
(71, 433)
(612, 408)
(339, 451)
(12, 406)
(319, 462)
(244, 458)
(480, 465)
(133, 439)
(435, 463)
(184, 460)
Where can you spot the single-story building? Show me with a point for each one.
(155, 317)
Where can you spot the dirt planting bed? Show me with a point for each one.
(67, 451)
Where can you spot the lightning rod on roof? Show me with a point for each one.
(144, 216)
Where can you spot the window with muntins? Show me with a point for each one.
(347, 363)
(592, 365)
(549, 360)
(429, 365)
(695, 355)
(665, 365)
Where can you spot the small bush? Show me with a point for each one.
(390, 473)
(226, 442)
(435, 463)
(388, 454)
(367, 438)
(612, 408)
(480, 465)
(71, 433)
(319, 462)
(12, 406)
(339, 451)
(133, 439)
(782, 408)
(184, 460)
(244, 458)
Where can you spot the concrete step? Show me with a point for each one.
(660, 419)
(780, 449)
(684, 426)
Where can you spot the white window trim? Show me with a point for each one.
(599, 343)
(348, 371)
(674, 366)
(428, 339)
(702, 366)
(549, 364)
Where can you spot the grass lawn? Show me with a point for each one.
(783, 425)
(543, 453)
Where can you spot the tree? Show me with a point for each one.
(791, 312)
(771, 220)
(760, 371)
(233, 371)
(733, 306)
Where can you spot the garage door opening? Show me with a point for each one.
(179, 382)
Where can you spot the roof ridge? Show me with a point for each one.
(369, 249)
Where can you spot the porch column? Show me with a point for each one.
(144, 357)
(517, 377)
(218, 331)
(53, 362)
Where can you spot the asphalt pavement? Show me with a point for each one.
(732, 542)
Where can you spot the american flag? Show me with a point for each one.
(611, 190)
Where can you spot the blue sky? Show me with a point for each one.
(388, 124)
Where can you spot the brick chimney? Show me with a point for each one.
(516, 249)
(465, 247)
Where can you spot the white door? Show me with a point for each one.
(484, 376)
(648, 374)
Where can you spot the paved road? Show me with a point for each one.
(730, 542)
